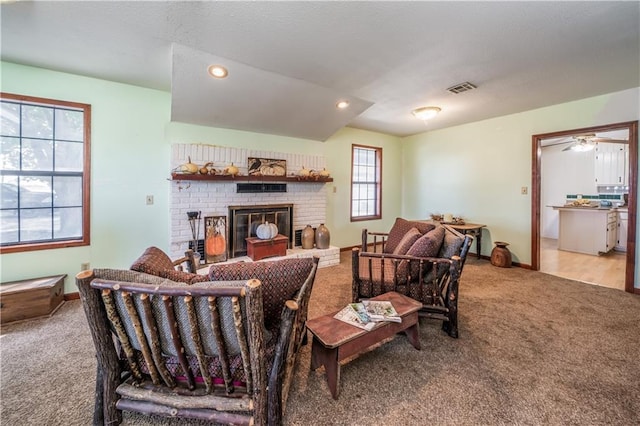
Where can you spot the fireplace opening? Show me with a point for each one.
(244, 220)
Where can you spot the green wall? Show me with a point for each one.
(477, 170)
(130, 153)
(129, 159)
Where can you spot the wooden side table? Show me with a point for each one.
(335, 340)
(474, 229)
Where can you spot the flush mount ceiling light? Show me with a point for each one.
(217, 71)
(426, 113)
(342, 104)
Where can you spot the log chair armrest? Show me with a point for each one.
(189, 259)
(376, 235)
(292, 329)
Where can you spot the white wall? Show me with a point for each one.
(562, 173)
(477, 169)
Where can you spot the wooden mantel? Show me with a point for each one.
(230, 178)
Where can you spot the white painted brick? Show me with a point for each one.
(214, 199)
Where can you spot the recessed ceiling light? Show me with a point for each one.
(426, 113)
(217, 71)
(342, 104)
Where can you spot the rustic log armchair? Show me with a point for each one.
(199, 351)
(419, 259)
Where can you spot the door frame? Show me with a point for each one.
(536, 177)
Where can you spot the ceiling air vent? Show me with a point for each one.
(462, 87)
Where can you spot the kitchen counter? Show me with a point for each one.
(589, 229)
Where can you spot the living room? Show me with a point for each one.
(475, 169)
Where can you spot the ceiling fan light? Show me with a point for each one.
(582, 147)
(426, 113)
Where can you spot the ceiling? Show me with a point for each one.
(290, 62)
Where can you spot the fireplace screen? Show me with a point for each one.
(244, 220)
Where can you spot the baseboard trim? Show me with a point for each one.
(71, 296)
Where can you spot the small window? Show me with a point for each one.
(44, 173)
(366, 181)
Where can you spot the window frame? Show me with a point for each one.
(85, 240)
(378, 182)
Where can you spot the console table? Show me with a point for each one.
(474, 229)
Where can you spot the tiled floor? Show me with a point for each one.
(606, 270)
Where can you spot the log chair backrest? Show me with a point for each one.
(202, 320)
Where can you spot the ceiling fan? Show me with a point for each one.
(586, 142)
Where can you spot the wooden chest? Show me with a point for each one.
(259, 249)
(32, 298)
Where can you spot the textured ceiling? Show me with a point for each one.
(290, 62)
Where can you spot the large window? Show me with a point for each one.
(366, 181)
(44, 173)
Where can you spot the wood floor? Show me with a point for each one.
(606, 270)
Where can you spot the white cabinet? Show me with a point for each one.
(623, 222)
(585, 230)
(611, 163)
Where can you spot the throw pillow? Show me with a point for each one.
(426, 246)
(400, 229)
(407, 241)
(152, 261)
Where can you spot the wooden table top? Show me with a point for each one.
(333, 332)
(467, 226)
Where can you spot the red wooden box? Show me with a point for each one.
(259, 249)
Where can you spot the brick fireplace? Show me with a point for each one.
(214, 198)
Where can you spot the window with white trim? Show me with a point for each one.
(44, 173)
(366, 182)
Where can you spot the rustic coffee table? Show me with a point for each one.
(335, 340)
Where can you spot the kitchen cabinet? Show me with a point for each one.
(587, 230)
(623, 222)
(611, 164)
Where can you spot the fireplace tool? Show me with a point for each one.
(194, 223)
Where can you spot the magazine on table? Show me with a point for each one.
(356, 316)
(381, 311)
(368, 313)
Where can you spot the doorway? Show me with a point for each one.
(631, 129)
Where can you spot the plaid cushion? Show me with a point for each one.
(407, 241)
(153, 261)
(130, 276)
(400, 228)
(281, 280)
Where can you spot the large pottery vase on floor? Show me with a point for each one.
(500, 255)
(322, 237)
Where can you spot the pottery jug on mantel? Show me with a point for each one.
(322, 237)
(307, 237)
